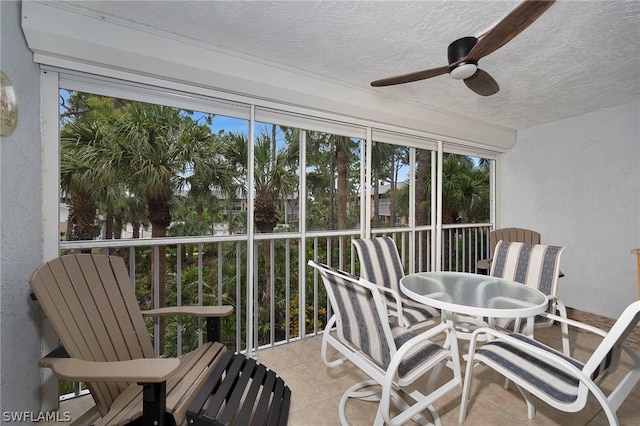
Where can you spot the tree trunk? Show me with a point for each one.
(108, 224)
(343, 181)
(392, 193)
(160, 218)
(135, 231)
(229, 203)
(332, 199)
(266, 218)
(117, 234)
(376, 198)
(422, 213)
(82, 215)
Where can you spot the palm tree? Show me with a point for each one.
(380, 153)
(80, 179)
(399, 158)
(465, 193)
(275, 179)
(465, 190)
(423, 188)
(156, 148)
(235, 150)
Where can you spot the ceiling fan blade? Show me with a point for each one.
(412, 76)
(509, 27)
(482, 83)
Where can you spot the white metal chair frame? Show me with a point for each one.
(389, 386)
(604, 360)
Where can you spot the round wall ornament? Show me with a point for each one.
(8, 106)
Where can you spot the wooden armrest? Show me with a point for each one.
(143, 370)
(484, 264)
(194, 311)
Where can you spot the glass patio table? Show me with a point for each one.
(474, 295)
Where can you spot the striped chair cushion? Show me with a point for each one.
(380, 263)
(535, 265)
(359, 323)
(363, 328)
(414, 359)
(544, 376)
(412, 311)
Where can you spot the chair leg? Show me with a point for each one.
(464, 400)
(214, 329)
(355, 392)
(433, 378)
(564, 331)
(374, 395)
(154, 403)
(88, 418)
(531, 408)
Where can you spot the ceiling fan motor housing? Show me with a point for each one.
(458, 50)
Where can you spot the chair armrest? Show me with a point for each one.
(213, 314)
(194, 311)
(556, 303)
(396, 296)
(143, 370)
(484, 264)
(441, 328)
(574, 323)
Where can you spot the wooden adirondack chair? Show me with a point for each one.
(92, 307)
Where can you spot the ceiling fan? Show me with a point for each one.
(464, 53)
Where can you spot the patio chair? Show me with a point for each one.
(556, 379)
(537, 266)
(380, 263)
(392, 356)
(519, 235)
(91, 305)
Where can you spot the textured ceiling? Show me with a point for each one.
(580, 56)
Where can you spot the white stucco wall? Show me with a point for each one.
(20, 236)
(577, 182)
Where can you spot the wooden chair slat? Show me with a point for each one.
(105, 293)
(84, 307)
(265, 396)
(81, 338)
(519, 235)
(223, 390)
(110, 271)
(88, 308)
(252, 395)
(279, 403)
(132, 308)
(191, 378)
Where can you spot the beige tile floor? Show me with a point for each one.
(316, 391)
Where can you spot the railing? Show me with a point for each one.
(282, 293)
